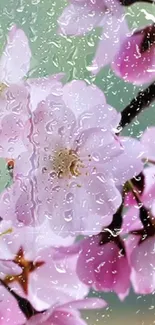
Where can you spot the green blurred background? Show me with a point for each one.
(73, 55)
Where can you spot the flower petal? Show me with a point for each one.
(40, 88)
(148, 141)
(15, 60)
(17, 203)
(132, 65)
(129, 164)
(87, 303)
(114, 32)
(81, 17)
(89, 105)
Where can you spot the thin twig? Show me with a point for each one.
(131, 2)
(23, 303)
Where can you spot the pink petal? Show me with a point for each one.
(14, 112)
(114, 33)
(15, 100)
(81, 17)
(23, 165)
(9, 267)
(101, 267)
(81, 97)
(149, 189)
(148, 141)
(89, 105)
(10, 313)
(60, 282)
(142, 257)
(101, 146)
(129, 163)
(87, 303)
(58, 316)
(142, 284)
(132, 65)
(62, 316)
(11, 145)
(51, 123)
(131, 221)
(40, 88)
(105, 198)
(16, 203)
(97, 194)
(15, 60)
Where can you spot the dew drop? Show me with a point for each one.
(60, 268)
(100, 198)
(6, 198)
(56, 189)
(52, 175)
(49, 127)
(95, 156)
(69, 197)
(68, 215)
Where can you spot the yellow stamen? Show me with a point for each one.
(8, 231)
(66, 163)
(3, 86)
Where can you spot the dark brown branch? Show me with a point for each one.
(131, 2)
(116, 224)
(138, 104)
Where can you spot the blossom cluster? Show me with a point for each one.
(78, 212)
(131, 53)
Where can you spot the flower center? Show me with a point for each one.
(66, 163)
(2, 87)
(27, 268)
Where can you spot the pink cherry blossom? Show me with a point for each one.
(104, 266)
(17, 96)
(45, 278)
(80, 17)
(140, 252)
(135, 61)
(71, 166)
(63, 314)
(140, 244)
(66, 314)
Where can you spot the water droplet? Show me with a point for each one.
(98, 269)
(68, 215)
(95, 156)
(44, 170)
(100, 198)
(61, 131)
(60, 268)
(6, 198)
(52, 175)
(56, 189)
(49, 127)
(69, 197)
(48, 215)
(35, 2)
